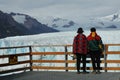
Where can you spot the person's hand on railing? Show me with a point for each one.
(73, 57)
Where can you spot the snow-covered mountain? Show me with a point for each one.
(60, 24)
(110, 21)
(31, 23)
(15, 24)
(106, 22)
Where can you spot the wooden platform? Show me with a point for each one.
(53, 75)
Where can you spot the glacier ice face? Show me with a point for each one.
(58, 38)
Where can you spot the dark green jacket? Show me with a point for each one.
(95, 45)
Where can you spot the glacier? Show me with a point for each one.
(57, 38)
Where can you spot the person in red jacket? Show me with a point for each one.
(80, 49)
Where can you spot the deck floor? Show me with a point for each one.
(53, 75)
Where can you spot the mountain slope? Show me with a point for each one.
(60, 24)
(108, 22)
(104, 23)
(8, 27)
(32, 24)
(15, 24)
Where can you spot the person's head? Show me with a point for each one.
(80, 30)
(93, 29)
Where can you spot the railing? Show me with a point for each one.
(109, 52)
(35, 59)
(11, 60)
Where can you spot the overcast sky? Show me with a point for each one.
(76, 10)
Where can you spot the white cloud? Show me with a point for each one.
(78, 10)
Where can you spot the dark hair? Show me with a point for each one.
(92, 29)
(80, 30)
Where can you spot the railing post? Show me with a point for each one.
(30, 49)
(105, 57)
(66, 58)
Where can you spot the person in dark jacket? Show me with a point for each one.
(80, 49)
(95, 47)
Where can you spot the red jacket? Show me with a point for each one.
(96, 37)
(80, 44)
